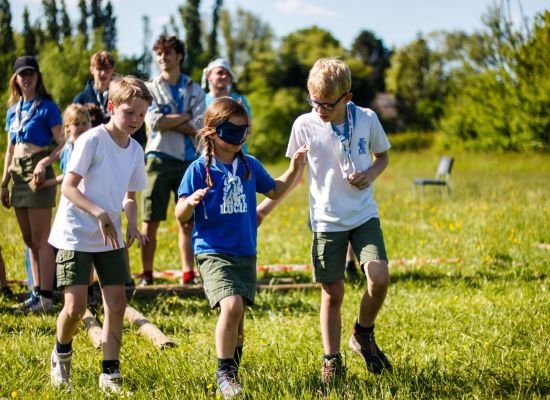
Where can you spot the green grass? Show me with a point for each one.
(467, 314)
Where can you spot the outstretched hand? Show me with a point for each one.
(194, 199)
(299, 157)
(108, 230)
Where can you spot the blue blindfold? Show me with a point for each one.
(231, 133)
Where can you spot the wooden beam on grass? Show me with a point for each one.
(145, 292)
(148, 329)
(93, 327)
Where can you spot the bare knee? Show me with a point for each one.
(333, 294)
(378, 275)
(232, 307)
(74, 311)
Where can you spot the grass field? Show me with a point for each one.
(467, 314)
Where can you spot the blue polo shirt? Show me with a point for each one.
(225, 220)
(38, 130)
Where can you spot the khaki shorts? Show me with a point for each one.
(328, 250)
(163, 177)
(22, 195)
(75, 267)
(224, 275)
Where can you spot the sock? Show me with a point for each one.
(188, 276)
(350, 265)
(329, 357)
(48, 294)
(361, 330)
(63, 348)
(238, 355)
(225, 364)
(36, 290)
(110, 366)
(147, 274)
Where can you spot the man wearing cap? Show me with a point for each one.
(219, 79)
(173, 121)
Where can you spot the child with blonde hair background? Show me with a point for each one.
(103, 175)
(219, 189)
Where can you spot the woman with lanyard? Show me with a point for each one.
(33, 124)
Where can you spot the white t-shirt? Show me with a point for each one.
(108, 171)
(334, 204)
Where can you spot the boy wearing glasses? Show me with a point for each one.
(347, 152)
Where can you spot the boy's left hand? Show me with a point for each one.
(361, 179)
(132, 234)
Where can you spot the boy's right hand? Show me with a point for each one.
(5, 197)
(108, 230)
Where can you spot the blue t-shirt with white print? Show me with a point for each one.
(225, 220)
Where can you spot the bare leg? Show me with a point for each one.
(332, 296)
(69, 318)
(3, 279)
(40, 219)
(185, 231)
(227, 329)
(114, 303)
(149, 228)
(25, 227)
(378, 278)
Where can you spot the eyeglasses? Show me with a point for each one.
(326, 106)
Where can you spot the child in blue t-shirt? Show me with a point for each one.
(219, 191)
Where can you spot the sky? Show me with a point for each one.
(396, 22)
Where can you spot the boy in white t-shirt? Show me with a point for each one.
(347, 152)
(102, 176)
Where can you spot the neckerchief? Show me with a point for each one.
(22, 121)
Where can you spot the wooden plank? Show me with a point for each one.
(93, 328)
(148, 329)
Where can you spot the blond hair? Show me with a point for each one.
(125, 88)
(329, 77)
(220, 111)
(75, 113)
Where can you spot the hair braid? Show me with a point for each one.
(243, 158)
(209, 147)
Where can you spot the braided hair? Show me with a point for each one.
(219, 111)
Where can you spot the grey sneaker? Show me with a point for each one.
(60, 368)
(35, 304)
(228, 384)
(332, 370)
(367, 348)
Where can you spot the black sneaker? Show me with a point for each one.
(366, 347)
(6, 292)
(332, 370)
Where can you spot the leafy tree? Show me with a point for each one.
(190, 17)
(213, 37)
(82, 26)
(66, 28)
(96, 12)
(7, 46)
(29, 34)
(369, 49)
(109, 27)
(52, 29)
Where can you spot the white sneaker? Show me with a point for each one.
(60, 368)
(35, 304)
(111, 383)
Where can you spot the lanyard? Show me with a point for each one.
(346, 141)
(22, 121)
(231, 176)
(102, 101)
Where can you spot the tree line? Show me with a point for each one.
(484, 90)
